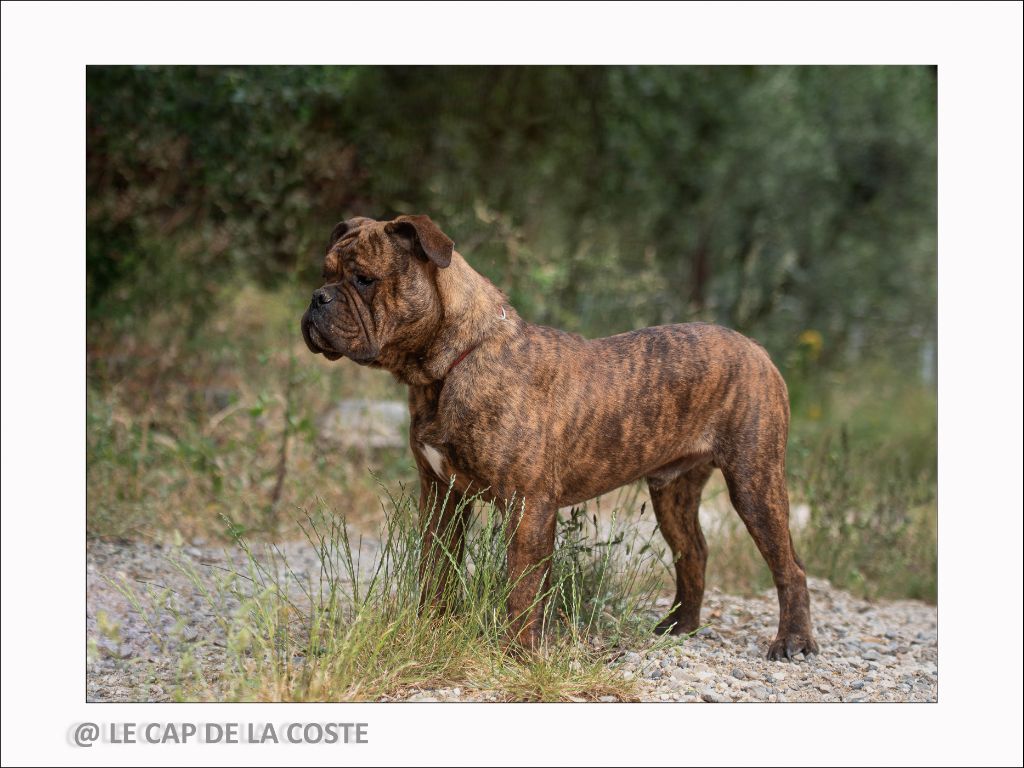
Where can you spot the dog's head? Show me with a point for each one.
(379, 296)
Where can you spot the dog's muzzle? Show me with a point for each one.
(315, 340)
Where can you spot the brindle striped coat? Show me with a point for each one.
(512, 410)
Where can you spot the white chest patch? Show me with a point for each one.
(433, 457)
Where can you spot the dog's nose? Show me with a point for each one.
(321, 297)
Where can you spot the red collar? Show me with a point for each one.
(460, 358)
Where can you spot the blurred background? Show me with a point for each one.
(794, 204)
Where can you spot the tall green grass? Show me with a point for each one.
(355, 631)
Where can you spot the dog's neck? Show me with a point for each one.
(474, 312)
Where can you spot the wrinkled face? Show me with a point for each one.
(378, 300)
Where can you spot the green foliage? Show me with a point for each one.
(771, 199)
(795, 204)
(869, 475)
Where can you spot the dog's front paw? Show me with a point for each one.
(674, 625)
(786, 647)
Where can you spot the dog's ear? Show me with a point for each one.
(424, 237)
(339, 229)
(342, 227)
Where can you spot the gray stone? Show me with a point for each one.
(365, 424)
(713, 697)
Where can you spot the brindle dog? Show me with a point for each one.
(518, 411)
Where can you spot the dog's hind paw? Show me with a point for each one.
(786, 648)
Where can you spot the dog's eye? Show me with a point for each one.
(362, 281)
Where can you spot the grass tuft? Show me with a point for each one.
(353, 630)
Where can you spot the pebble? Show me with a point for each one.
(714, 698)
(760, 693)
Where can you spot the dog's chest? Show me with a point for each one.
(435, 460)
(429, 433)
(445, 462)
(449, 443)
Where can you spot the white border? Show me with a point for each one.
(978, 49)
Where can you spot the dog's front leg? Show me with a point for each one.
(443, 513)
(531, 541)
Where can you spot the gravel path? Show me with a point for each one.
(885, 651)
(871, 651)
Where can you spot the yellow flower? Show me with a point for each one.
(813, 341)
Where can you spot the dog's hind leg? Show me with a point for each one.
(676, 505)
(758, 491)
